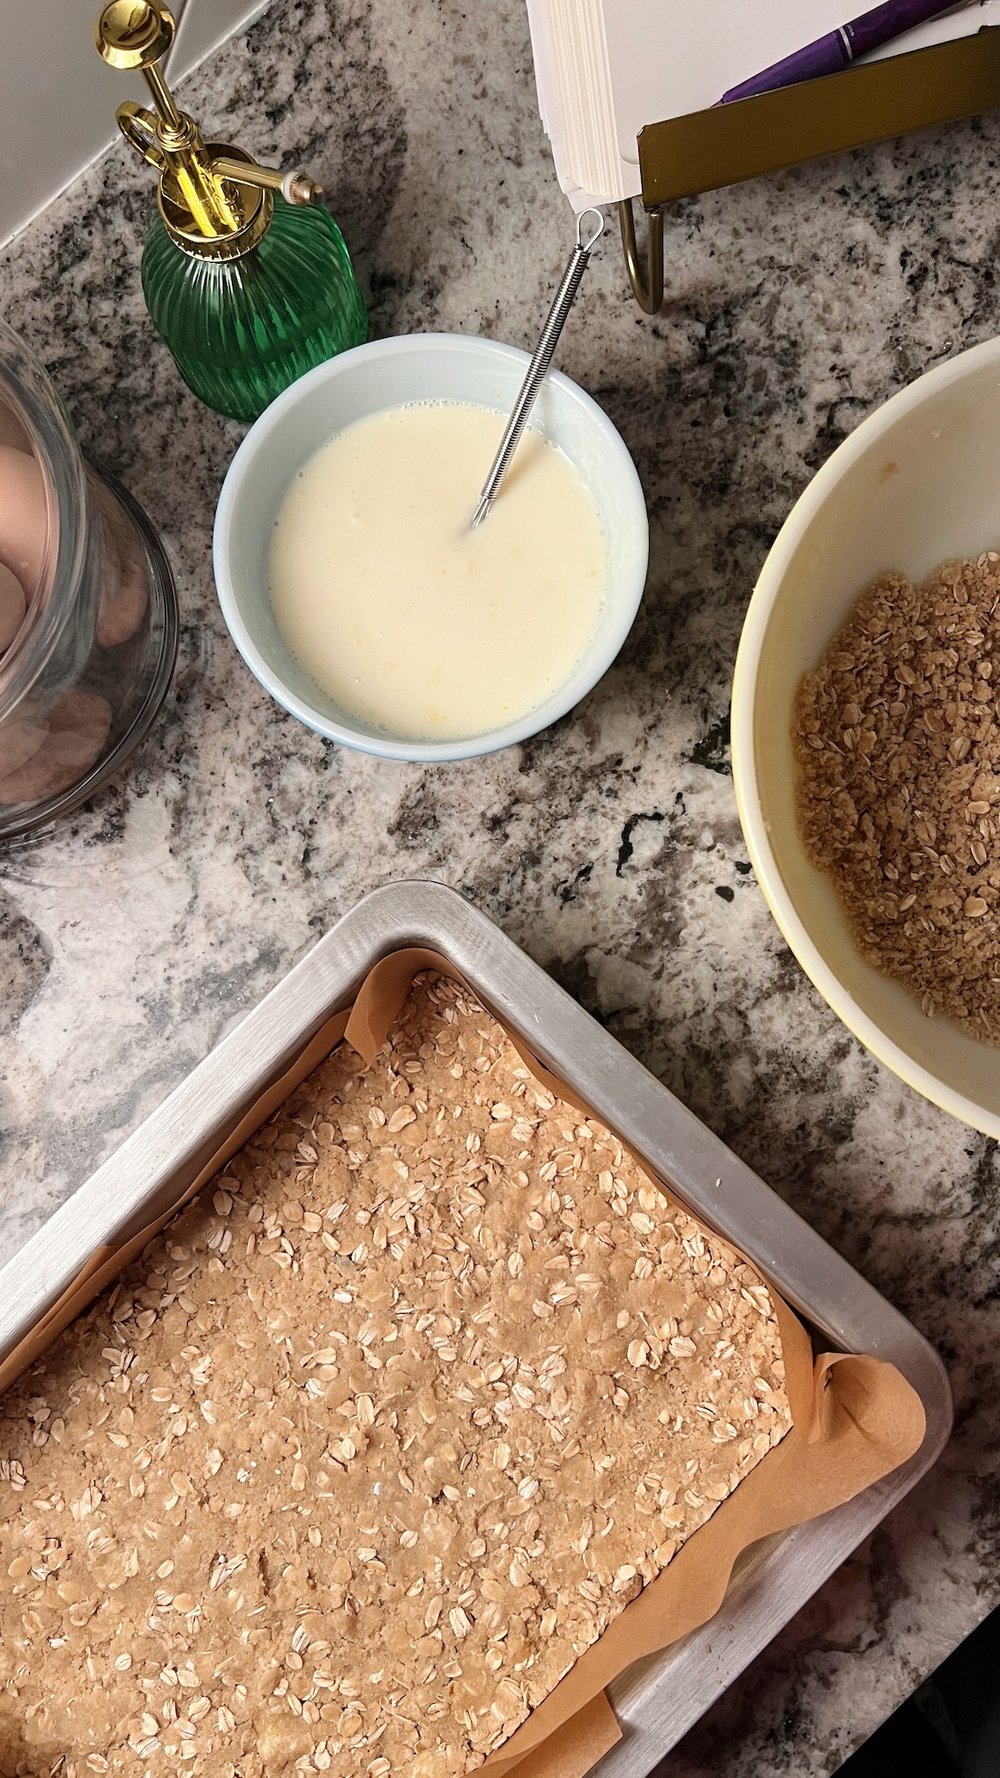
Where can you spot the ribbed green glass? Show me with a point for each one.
(241, 330)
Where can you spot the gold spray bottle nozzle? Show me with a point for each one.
(214, 198)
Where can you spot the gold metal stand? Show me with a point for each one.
(647, 285)
(684, 156)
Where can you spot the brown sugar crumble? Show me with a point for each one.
(897, 739)
(376, 1438)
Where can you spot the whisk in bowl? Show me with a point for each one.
(589, 229)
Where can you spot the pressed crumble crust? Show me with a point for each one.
(376, 1438)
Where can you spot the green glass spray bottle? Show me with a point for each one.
(245, 274)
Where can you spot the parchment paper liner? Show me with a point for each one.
(855, 1419)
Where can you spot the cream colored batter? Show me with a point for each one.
(405, 617)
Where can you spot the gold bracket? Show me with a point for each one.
(647, 285)
(872, 102)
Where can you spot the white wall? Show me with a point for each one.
(57, 99)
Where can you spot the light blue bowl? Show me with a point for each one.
(387, 373)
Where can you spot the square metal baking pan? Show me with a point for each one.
(658, 1701)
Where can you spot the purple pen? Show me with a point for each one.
(829, 54)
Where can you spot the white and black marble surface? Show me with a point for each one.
(133, 937)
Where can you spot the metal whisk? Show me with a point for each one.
(589, 229)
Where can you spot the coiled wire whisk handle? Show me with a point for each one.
(589, 229)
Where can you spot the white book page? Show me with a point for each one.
(669, 57)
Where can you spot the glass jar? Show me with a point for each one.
(88, 612)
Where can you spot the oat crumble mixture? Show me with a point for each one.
(897, 740)
(376, 1438)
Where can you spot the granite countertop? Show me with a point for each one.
(137, 934)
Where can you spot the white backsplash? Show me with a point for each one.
(57, 100)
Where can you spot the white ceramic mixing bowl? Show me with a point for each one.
(917, 483)
(417, 367)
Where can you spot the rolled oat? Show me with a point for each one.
(315, 1489)
(897, 739)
